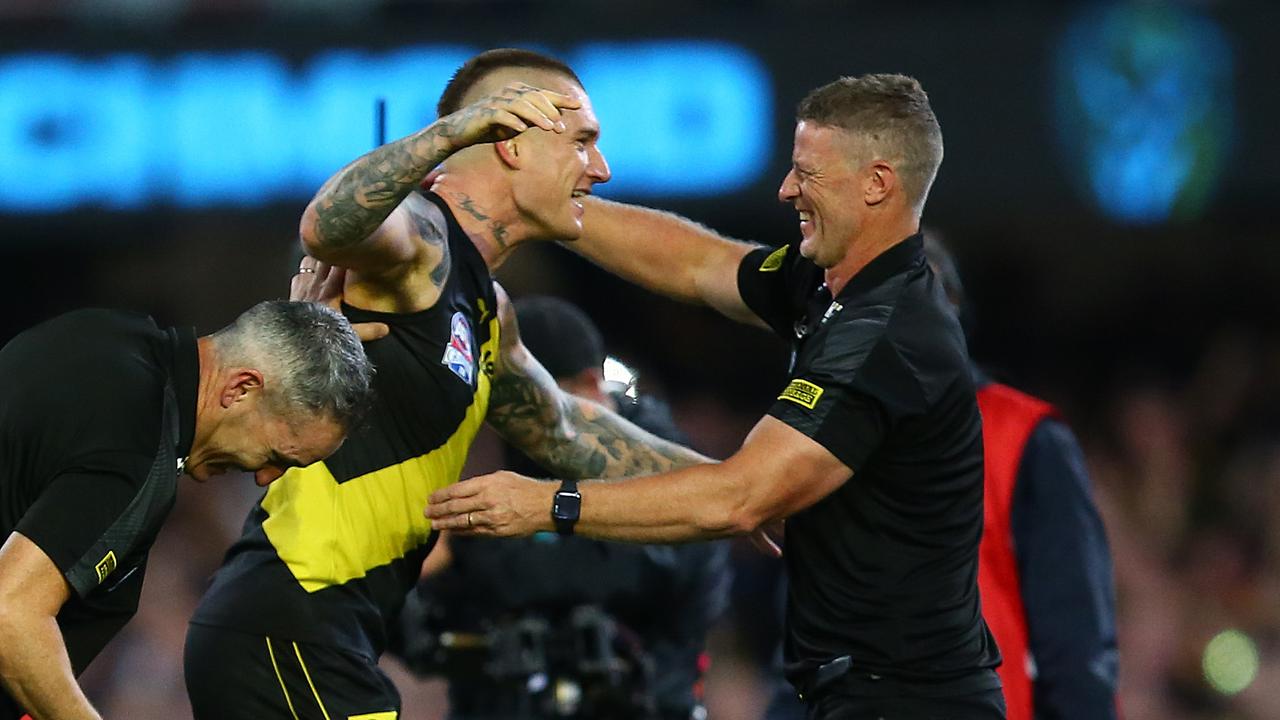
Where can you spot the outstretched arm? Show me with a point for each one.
(665, 253)
(569, 436)
(777, 472)
(33, 658)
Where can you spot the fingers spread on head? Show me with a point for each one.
(508, 119)
(515, 89)
(531, 112)
(545, 102)
(560, 100)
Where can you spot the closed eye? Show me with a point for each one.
(285, 462)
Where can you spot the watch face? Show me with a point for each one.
(566, 506)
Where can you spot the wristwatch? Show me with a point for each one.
(566, 507)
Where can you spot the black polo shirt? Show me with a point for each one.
(885, 568)
(97, 408)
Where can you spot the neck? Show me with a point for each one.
(869, 244)
(206, 392)
(489, 218)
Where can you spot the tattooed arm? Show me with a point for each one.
(682, 496)
(367, 217)
(570, 436)
(777, 472)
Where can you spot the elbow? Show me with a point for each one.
(739, 503)
(308, 229)
(747, 521)
(734, 517)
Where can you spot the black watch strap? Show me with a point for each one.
(566, 507)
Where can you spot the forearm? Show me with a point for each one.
(694, 503)
(570, 436)
(355, 201)
(581, 439)
(657, 250)
(36, 670)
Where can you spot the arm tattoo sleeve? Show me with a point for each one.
(353, 203)
(570, 436)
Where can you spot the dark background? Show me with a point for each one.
(1154, 331)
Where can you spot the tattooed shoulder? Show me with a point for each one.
(430, 225)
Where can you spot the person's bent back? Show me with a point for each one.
(100, 411)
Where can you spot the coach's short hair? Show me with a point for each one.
(311, 359)
(891, 117)
(489, 61)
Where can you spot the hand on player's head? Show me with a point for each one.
(505, 114)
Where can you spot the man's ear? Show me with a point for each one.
(240, 384)
(880, 182)
(509, 152)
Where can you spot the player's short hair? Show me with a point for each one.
(311, 358)
(481, 66)
(891, 117)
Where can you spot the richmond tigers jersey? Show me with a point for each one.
(331, 549)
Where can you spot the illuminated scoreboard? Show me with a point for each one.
(246, 128)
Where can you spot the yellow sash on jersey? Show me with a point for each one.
(329, 533)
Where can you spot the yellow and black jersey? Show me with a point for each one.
(330, 550)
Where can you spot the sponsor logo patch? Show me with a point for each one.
(774, 261)
(106, 566)
(458, 356)
(802, 392)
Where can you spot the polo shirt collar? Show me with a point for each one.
(186, 383)
(893, 261)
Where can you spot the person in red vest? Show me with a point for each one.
(1044, 567)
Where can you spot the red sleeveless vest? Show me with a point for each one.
(1008, 419)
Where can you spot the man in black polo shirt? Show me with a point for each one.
(99, 412)
(872, 451)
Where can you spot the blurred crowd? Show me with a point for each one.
(1187, 476)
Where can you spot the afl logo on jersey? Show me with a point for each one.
(458, 356)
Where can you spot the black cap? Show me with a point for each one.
(559, 335)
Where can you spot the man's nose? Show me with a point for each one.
(790, 188)
(597, 167)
